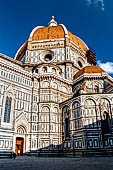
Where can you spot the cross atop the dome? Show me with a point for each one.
(52, 22)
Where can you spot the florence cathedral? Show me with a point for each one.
(53, 96)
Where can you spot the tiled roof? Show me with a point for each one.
(48, 33)
(54, 32)
(77, 41)
(88, 70)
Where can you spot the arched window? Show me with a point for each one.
(54, 85)
(66, 114)
(45, 109)
(90, 113)
(7, 109)
(66, 127)
(55, 110)
(45, 84)
(36, 71)
(44, 69)
(53, 70)
(76, 109)
(66, 111)
(80, 64)
(96, 89)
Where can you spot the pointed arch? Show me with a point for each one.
(8, 107)
(7, 111)
(21, 129)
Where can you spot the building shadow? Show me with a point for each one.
(94, 139)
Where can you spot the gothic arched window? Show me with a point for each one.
(7, 109)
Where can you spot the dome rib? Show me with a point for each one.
(52, 32)
(31, 34)
(77, 41)
(65, 30)
(56, 32)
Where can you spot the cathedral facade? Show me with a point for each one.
(53, 96)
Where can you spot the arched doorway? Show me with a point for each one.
(20, 140)
(19, 145)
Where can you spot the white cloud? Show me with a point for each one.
(96, 3)
(108, 66)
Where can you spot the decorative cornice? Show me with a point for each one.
(51, 75)
(90, 76)
(11, 59)
(18, 70)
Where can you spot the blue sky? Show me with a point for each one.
(91, 20)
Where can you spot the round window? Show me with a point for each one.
(48, 57)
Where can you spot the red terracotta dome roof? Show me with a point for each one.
(55, 32)
(52, 31)
(88, 70)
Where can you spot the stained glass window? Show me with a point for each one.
(7, 109)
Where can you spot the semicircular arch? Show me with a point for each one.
(104, 98)
(45, 84)
(90, 99)
(21, 129)
(75, 104)
(45, 108)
